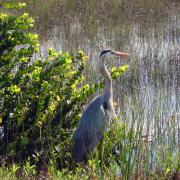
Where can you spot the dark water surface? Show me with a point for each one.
(149, 92)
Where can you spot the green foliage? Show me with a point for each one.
(41, 99)
(29, 169)
(13, 6)
(119, 146)
(168, 160)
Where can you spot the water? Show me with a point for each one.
(149, 92)
(149, 31)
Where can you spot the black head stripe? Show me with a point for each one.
(104, 52)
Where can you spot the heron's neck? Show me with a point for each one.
(108, 93)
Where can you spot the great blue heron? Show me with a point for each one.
(95, 119)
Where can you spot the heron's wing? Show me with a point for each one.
(92, 124)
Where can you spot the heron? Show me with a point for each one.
(97, 116)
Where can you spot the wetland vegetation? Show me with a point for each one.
(46, 83)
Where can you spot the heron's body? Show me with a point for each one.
(99, 115)
(96, 117)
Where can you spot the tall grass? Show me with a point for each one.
(144, 143)
(135, 147)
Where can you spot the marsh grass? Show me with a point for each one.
(92, 14)
(144, 143)
(128, 154)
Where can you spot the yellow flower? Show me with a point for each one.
(3, 16)
(25, 15)
(86, 87)
(0, 118)
(14, 89)
(52, 107)
(58, 98)
(21, 5)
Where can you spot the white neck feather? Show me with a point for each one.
(108, 92)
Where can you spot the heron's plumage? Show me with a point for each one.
(90, 128)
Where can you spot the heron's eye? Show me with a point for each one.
(105, 105)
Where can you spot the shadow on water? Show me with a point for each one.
(150, 91)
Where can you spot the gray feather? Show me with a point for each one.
(90, 128)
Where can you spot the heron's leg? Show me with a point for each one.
(101, 149)
(85, 160)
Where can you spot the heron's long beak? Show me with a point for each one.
(120, 54)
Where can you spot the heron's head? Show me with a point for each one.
(108, 52)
